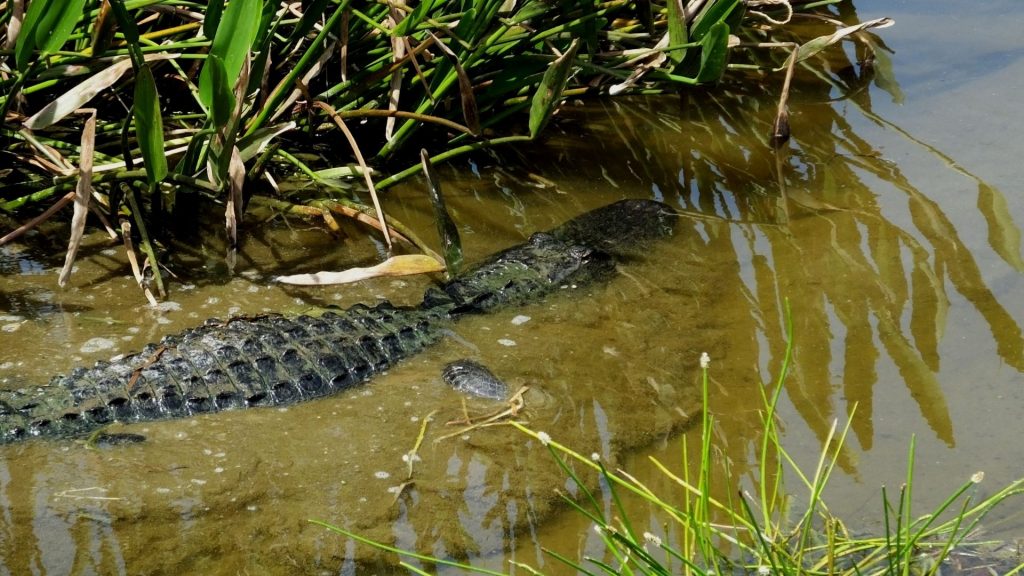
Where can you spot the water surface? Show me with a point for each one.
(890, 223)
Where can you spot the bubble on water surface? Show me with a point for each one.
(96, 344)
(168, 306)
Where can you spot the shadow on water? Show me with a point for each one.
(877, 268)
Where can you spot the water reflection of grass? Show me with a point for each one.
(870, 260)
(772, 532)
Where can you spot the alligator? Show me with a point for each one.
(275, 360)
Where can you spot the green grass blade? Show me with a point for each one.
(406, 553)
(419, 14)
(312, 53)
(574, 565)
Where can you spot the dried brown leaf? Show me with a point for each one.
(83, 191)
(362, 164)
(403, 265)
(470, 111)
(233, 210)
(14, 24)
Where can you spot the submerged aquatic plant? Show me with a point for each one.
(230, 98)
(762, 534)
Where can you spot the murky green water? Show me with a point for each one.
(892, 228)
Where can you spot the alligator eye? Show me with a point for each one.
(579, 252)
(538, 238)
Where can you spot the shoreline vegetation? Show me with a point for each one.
(130, 110)
(762, 525)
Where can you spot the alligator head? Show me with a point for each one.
(543, 264)
(623, 228)
(577, 253)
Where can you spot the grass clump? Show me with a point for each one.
(122, 106)
(762, 534)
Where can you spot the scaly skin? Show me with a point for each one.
(274, 360)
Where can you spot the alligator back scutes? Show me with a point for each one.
(271, 360)
(268, 360)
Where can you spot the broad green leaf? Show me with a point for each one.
(714, 53)
(68, 13)
(403, 265)
(211, 19)
(149, 125)
(451, 244)
(46, 27)
(235, 35)
(25, 44)
(45, 24)
(549, 93)
(677, 32)
(222, 100)
(812, 47)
